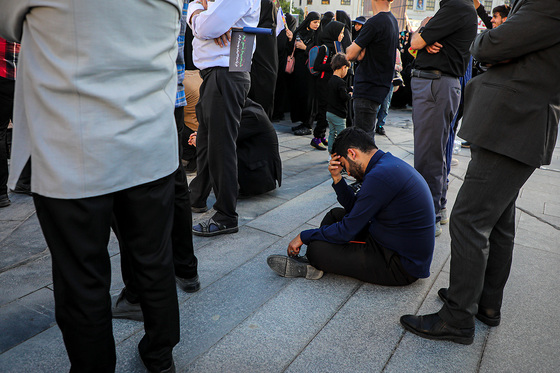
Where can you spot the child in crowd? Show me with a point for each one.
(337, 97)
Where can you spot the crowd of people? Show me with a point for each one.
(107, 127)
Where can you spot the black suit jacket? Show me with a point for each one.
(514, 108)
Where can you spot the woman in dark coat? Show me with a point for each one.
(328, 38)
(264, 67)
(284, 41)
(302, 87)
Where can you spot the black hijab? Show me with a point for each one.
(330, 33)
(290, 22)
(342, 16)
(327, 18)
(308, 35)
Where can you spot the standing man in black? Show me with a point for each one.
(443, 55)
(514, 134)
(375, 49)
(222, 96)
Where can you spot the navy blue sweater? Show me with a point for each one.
(396, 204)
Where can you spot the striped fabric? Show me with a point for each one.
(180, 100)
(8, 59)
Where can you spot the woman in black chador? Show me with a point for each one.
(284, 40)
(328, 38)
(302, 87)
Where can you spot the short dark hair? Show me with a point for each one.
(502, 10)
(353, 138)
(339, 61)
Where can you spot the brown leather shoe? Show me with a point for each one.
(433, 327)
(489, 316)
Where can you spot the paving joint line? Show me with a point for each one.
(342, 304)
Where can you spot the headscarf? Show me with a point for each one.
(342, 16)
(330, 33)
(327, 18)
(305, 34)
(290, 22)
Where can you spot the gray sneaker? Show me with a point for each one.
(444, 217)
(438, 229)
(296, 266)
(123, 309)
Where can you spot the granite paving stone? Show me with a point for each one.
(23, 280)
(35, 311)
(528, 338)
(24, 242)
(547, 239)
(295, 212)
(283, 327)
(44, 352)
(414, 354)
(22, 207)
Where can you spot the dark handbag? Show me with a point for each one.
(290, 62)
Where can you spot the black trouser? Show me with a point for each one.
(482, 228)
(77, 233)
(7, 87)
(322, 91)
(184, 260)
(222, 97)
(369, 261)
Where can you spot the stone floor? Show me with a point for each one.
(247, 319)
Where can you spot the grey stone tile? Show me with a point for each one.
(250, 208)
(316, 221)
(300, 183)
(225, 253)
(22, 207)
(528, 338)
(22, 280)
(212, 313)
(536, 234)
(415, 354)
(291, 153)
(312, 159)
(43, 353)
(270, 338)
(7, 227)
(23, 243)
(293, 213)
(26, 317)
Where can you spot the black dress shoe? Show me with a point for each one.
(190, 285)
(4, 201)
(488, 316)
(433, 327)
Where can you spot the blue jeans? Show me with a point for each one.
(384, 108)
(336, 125)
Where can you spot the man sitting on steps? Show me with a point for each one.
(384, 234)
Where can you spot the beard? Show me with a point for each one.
(355, 170)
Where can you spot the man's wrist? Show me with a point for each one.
(337, 179)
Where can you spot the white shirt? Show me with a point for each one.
(95, 93)
(220, 16)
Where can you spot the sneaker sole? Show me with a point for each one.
(216, 233)
(288, 267)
